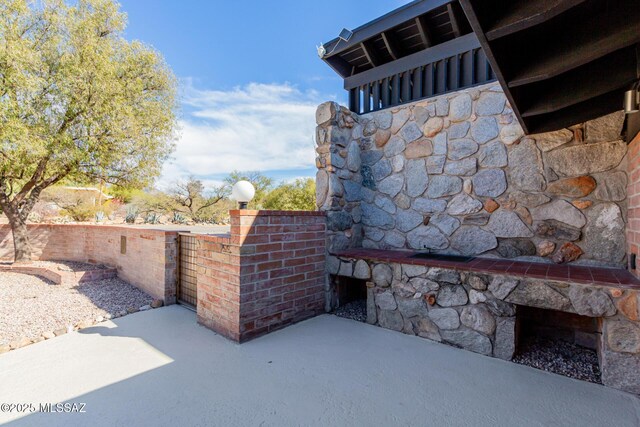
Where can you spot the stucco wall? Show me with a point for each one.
(455, 174)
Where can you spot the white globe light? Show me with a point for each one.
(243, 191)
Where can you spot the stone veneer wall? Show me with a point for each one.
(477, 311)
(455, 174)
(149, 262)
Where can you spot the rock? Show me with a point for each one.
(490, 182)
(339, 136)
(502, 286)
(391, 320)
(418, 149)
(381, 169)
(550, 140)
(480, 218)
(382, 275)
(383, 119)
(427, 329)
(477, 282)
(49, 335)
(500, 308)
(131, 310)
(530, 200)
(461, 148)
(86, 323)
(4, 348)
(524, 214)
(435, 164)
(463, 204)
(458, 130)
(335, 186)
(338, 221)
(382, 137)
(591, 302)
(99, 319)
(467, 186)
(333, 265)
(445, 318)
(470, 240)
(421, 114)
(605, 128)
(526, 171)
(403, 289)
(426, 206)
(444, 275)
(484, 129)
(19, 343)
(353, 157)
(516, 248)
(616, 368)
(440, 186)
(427, 237)
(452, 295)
(440, 144)
(623, 336)
(417, 178)
(424, 286)
(493, 155)
(447, 224)
(505, 223)
(568, 252)
(490, 103)
(538, 294)
(558, 230)
(394, 239)
(464, 167)
(345, 270)
(478, 318)
(585, 159)
(326, 112)
(410, 132)
(545, 248)
(460, 108)
(407, 220)
(372, 315)
(402, 201)
(433, 126)
(442, 106)
(629, 306)
(604, 235)
(411, 307)
(490, 205)
(612, 187)
(414, 270)
(391, 185)
(511, 133)
(505, 342)
(469, 340)
(573, 187)
(60, 331)
(368, 181)
(559, 210)
(322, 186)
(476, 297)
(399, 119)
(396, 145)
(386, 301)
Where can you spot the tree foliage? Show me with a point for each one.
(262, 184)
(77, 101)
(298, 195)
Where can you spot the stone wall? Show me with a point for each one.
(477, 312)
(455, 174)
(148, 263)
(268, 273)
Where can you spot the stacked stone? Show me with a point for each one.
(455, 174)
(477, 312)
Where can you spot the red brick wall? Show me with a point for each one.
(149, 262)
(270, 272)
(633, 198)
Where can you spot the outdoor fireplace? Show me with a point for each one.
(349, 297)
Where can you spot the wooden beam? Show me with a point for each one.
(454, 20)
(392, 46)
(370, 53)
(340, 66)
(423, 29)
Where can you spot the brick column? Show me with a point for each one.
(633, 198)
(268, 273)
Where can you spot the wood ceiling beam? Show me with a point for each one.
(390, 42)
(455, 24)
(423, 29)
(370, 53)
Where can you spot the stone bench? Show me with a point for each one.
(473, 305)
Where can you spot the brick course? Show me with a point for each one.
(633, 195)
(268, 273)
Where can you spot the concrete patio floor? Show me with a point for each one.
(160, 368)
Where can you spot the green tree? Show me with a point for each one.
(191, 198)
(299, 195)
(262, 184)
(78, 102)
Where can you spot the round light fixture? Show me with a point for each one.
(243, 192)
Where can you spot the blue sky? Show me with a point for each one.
(250, 78)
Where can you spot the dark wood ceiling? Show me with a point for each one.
(560, 62)
(417, 26)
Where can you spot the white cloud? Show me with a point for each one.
(258, 127)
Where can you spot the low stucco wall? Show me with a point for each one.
(149, 261)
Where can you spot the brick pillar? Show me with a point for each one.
(268, 273)
(633, 199)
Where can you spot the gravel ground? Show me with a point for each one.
(355, 310)
(32, 305)
(64, 265)
(560, 357)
